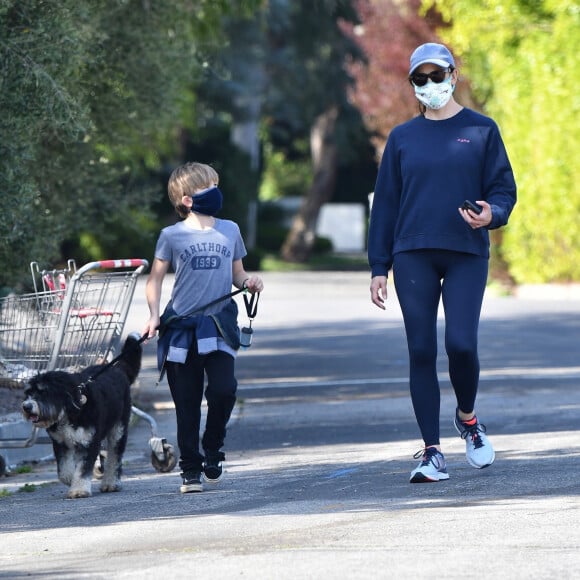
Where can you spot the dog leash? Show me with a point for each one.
(194, 312)
(202, 308)
(81, 388)
(81, 398)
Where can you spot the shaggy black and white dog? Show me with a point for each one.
(80, 414)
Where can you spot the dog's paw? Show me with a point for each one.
(110, 487)
(78, 493)
(79, 489)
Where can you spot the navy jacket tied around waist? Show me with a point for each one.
(176, 333)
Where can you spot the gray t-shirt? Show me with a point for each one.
(202, 262)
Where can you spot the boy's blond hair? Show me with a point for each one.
(186, 180)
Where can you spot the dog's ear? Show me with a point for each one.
(39, 383)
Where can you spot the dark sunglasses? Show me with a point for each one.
(437, 76)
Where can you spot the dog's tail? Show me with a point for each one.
(130, 361)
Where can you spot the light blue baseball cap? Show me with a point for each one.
(432, 53)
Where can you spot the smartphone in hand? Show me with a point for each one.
(472, 206)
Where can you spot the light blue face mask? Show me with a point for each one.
(435, 95)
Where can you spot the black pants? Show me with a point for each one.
(421, 279)
(186, 382)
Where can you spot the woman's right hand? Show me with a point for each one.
(379, 291)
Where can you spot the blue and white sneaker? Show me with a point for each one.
(478, 449)
(432, 467)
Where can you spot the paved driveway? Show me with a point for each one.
(319, 453)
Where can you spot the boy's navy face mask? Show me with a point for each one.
(208, 202)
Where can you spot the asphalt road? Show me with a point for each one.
(319, 453)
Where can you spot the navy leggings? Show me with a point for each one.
(186, 382)
(421, 278)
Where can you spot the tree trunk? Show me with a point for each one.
(244, 135)
(300, 239)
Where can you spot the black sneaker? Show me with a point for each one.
(191, 482)
(213, 471)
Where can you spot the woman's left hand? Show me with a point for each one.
(477, 221)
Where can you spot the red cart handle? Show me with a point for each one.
(111, 264)
(125, 263)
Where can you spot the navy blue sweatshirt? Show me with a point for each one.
(428, 169)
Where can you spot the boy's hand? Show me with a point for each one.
(150, 329)
(254, 284)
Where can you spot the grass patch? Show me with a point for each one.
(5, 493)
(28, 488)
(23, 469)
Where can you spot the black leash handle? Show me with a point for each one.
(252, 305)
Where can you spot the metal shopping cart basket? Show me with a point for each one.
(73, 319)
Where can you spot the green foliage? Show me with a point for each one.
(40, 54)
(306, 61)
(278, 71)
(238, 182)
(23, 469)
(98, 95)
(28, 488)
(317, 262)
(127, 236)
(253, 260)
(92, 94)
(520, 56)
(284, 177)
(322, 246)
(271, 236)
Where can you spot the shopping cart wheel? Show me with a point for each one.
(163, 456)
(2, 466)
(99, 467)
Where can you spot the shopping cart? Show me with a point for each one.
(73, 319)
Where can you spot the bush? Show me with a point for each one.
(253, 260)
(270, 237)
(322, 246)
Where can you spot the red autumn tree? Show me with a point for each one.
(389, 32)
